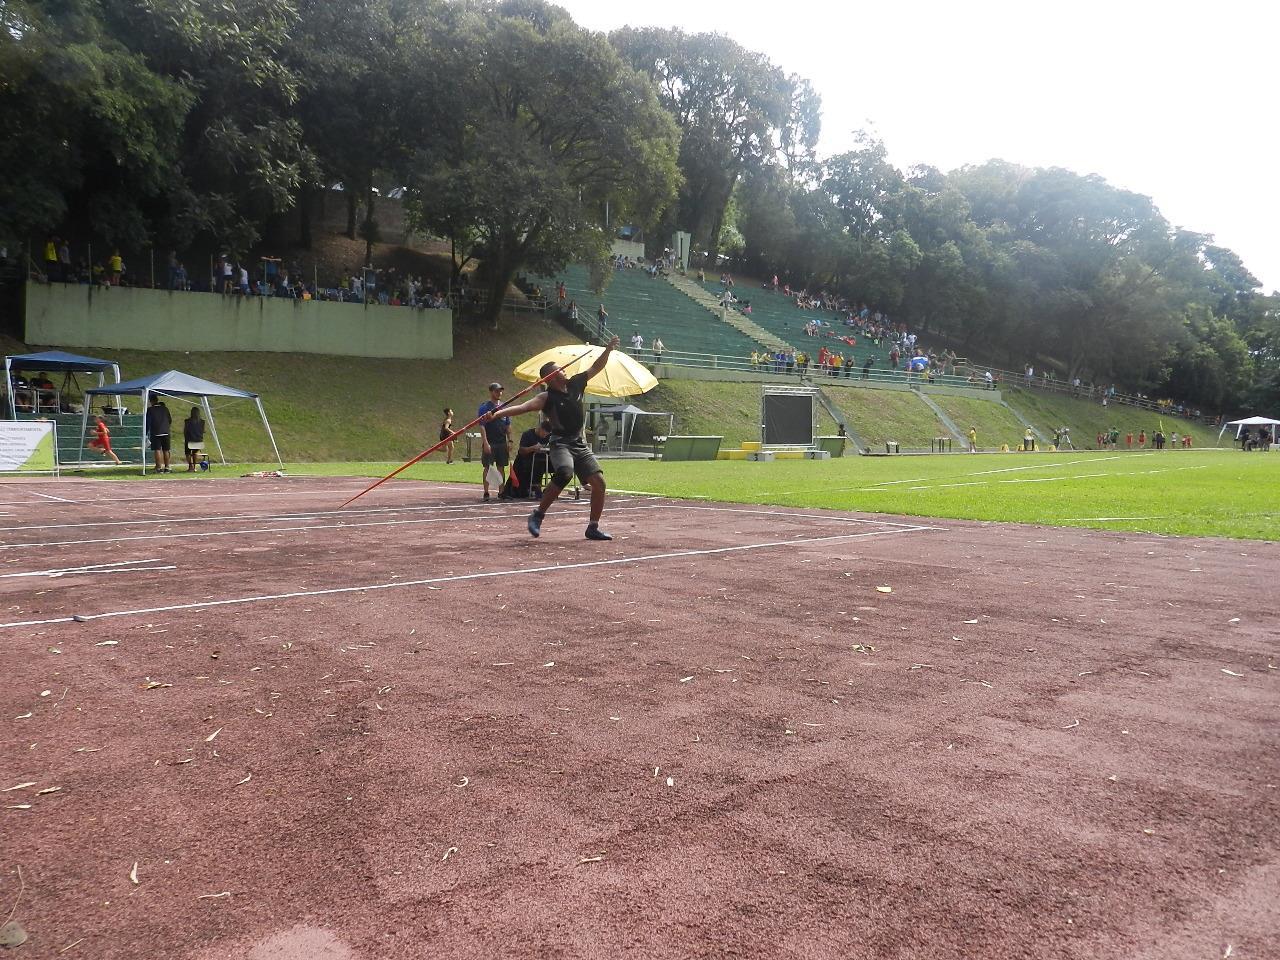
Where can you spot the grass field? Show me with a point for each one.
(1191, 493)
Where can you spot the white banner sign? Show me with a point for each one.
(27, 446)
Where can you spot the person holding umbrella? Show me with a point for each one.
(561, 404)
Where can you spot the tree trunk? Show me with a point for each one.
(351, 212)
(717, 221)
(368, 225)
(305, 200)
(503, 272)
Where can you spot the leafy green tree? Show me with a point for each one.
(88, 123)
(545, 124)
(735, 111)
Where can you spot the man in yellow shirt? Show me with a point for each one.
(973, 439)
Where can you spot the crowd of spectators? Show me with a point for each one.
(241, 277)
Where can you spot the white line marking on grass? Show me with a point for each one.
(1101, 519)
(257, 531)
(644, 558)
(804, 516)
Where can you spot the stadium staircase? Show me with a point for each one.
(1025, 421)
(838, 416)
(945, 420)
(703, 297)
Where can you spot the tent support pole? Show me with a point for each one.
(146, 396)
(8, 386)
(271, 436)
(213, 428)
(84, 425)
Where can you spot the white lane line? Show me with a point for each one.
(881, 485)
(340, 491)
(296, 515)
(645, 558)
(49, 496)
(1110, 519)
(803, 516)
(257, 531)
(84, 568)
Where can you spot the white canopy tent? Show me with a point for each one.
(179, 385)
(627, 413)
(1247, 422)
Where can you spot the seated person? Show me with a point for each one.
(529, 470)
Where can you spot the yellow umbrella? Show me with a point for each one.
(621, 377)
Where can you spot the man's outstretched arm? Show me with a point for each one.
(537, 403)
(603, 359)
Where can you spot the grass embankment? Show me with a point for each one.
(345, 408)
(1190, 493)
(880, 415)
(729, 410)
(1088, 418)
(995, 423)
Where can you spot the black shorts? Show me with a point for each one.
(574, 454)
(160, 443)
(498, 457)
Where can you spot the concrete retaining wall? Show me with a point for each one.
(70, 315)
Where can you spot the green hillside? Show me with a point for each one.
(880, 415)
(339, 408)
(1087, 418)
(996, 424)
(351, 409)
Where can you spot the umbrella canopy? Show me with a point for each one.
(621, 377)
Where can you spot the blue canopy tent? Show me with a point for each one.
(56, 360)
(179, 385)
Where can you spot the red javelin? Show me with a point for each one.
(457, 433)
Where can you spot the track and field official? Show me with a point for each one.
(562, 406)
(496, 438)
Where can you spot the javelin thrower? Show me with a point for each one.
(561, 404)
(548, 371)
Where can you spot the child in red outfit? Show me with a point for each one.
(102, 440)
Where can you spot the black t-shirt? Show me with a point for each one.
(193, 431)
(564, 410)
(158, 420)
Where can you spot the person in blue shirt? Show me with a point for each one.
(497, 439)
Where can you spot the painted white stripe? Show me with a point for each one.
(834, 518)
(498, 506)
(645, 558)
(49, 496)
(83, 567)
(491, 514)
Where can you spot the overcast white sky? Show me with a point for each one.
(1173, 100)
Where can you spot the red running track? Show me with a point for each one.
(409, 730)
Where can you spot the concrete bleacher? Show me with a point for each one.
(777, 314)
(652, 307)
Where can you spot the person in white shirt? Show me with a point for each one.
(637, 342)
(658, 348)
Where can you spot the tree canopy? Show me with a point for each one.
(511, 130)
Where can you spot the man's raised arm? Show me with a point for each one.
(603, 359)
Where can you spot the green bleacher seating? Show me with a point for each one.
(777, 313)
(654, 308)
